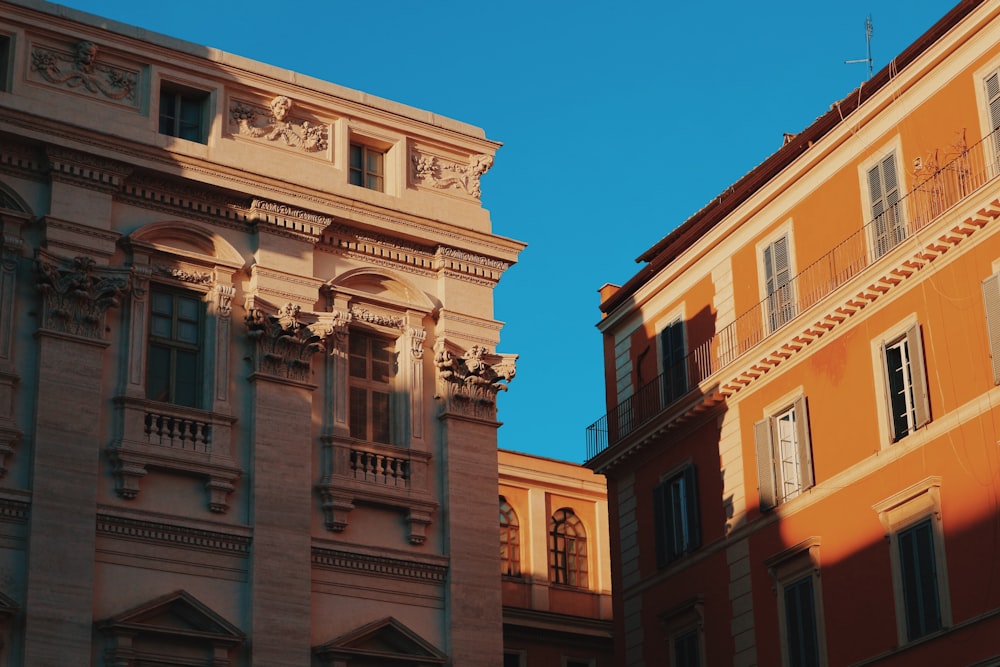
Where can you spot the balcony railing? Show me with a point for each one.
(963, 172)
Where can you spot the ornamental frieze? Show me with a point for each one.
(76, 294)
(274, 124)
(285, 345)
(82, 72)
(196, 278)
(444, 174)
(365, 315)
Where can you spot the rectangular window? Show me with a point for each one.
(801, 639)
(888, 227)
(905, 382)
(684, 651)
(371, 362)
(511, 659)
(675, 513)
(778, 284)
(175, 347)
(672, 351)
(784, 455)
(182, 113)
(367, 167)
(918, 576)
(5, 60)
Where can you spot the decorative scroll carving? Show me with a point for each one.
(81, 70)
(76, 295)
(417, 338)
(448, 174)
(253, 121)
(284, 345)
(469, 383)
(226, 294)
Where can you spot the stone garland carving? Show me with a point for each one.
(253, 123)
(83, 70)
(284, 345)
(448, 174)
(470, 383)
(76, 295)
(365, 315)
(203, 278)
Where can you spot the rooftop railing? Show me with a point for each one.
(960, 173)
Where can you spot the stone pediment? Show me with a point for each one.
(178, 615)
(385, 640)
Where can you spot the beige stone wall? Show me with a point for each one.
(250, 527)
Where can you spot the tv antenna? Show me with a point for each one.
(868, 41)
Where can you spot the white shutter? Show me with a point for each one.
(918, 376)
(991, 302)
(765, 465)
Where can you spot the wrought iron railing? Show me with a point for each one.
(964, 171)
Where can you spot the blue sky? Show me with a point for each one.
(618, 122)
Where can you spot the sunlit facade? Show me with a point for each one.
(801, 444)
(555, 563)
(248, 366)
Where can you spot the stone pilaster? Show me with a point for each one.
(71, 360)
(281, 432)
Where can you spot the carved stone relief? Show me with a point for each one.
(80, 71)
(76, 295)
(285, 345)
(469, 383)
(274, 124)
(443, 174)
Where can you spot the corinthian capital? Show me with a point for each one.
(76, 294)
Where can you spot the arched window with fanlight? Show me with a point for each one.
(510, 540)
(567, 549)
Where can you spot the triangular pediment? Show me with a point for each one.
(387, 639)
(178, 614)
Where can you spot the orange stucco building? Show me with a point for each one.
(801, 443)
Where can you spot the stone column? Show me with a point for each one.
(467, 385)
(71, 361)
(282, 479)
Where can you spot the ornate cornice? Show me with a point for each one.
(14, 511)
(379, 566)
(86, 170)
(173, 535)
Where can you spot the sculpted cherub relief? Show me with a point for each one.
(446, 175)
(310, 138)
(83, 71)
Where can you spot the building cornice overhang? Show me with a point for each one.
(694, 228)
(531, 619)
(904, 262)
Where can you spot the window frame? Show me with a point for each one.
(908, 338)
(785, 309)
(200, 98)
(370, 385)
(665, 515)
(671, 348)
(174, 346)
(917, 505)
(685, 620)
(881, 244)
(989, 114)
(770, 473)
(573, 568)
(510, 537)
(6, 62)
(991, 312)
(363, 173)
(789, 568)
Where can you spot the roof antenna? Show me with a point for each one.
(868, 39)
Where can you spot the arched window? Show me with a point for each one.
(567, 549)
(510, 540)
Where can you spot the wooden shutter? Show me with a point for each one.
(662, 520)
(803, 443)
(993, 99)
(693, 522)
(674, 369)
(765, 465)
(918, 376)
(991, 302)
(883, 190)
(777, 282)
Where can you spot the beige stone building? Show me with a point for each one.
(555, 561)
(248, 368)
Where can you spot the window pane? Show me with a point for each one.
(800, 624)
(359, 413)
(186, 373)
(158, 373)
(380, 417)
(161, 326)
(919, 578)
(356, 156)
